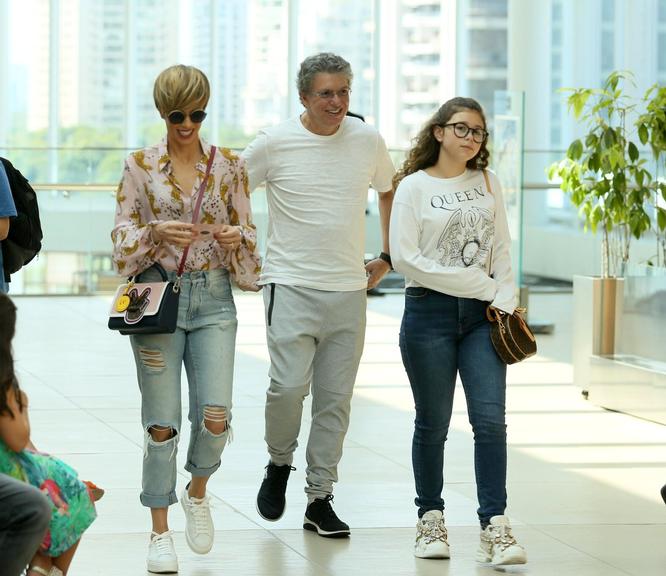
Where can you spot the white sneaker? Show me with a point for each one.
(199, 529)
(161, 554)
(431, 536)
(53, 571)
(498, 546)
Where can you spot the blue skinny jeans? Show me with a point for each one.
(442, 336)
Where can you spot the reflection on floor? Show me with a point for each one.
(583, 483)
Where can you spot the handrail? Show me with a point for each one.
(69, 187)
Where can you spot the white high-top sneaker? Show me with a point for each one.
(161, 554)
(431, 536)
(498, 546)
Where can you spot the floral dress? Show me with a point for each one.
(72, 508)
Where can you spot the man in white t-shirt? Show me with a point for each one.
(317, 168)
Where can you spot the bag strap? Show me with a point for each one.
(496, 315)
(195, 213)
(485, 177)
(490, 257)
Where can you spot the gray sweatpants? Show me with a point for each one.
(315, 341)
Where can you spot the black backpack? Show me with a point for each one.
(25, 231)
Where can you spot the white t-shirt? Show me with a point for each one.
(445, 232)
(317, 191)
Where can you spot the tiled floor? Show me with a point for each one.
(583, 483)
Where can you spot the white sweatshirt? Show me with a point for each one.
(451, 235)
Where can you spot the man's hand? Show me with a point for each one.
(376, 270)
(173, 232)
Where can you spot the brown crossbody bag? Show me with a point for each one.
(510, 334)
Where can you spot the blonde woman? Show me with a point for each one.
(153, 226)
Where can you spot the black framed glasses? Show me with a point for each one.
(330, 94)
(178, 117)
(461, 130)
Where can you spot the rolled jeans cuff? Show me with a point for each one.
(154, 501)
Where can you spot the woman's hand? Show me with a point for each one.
(229, 237)
(173, 232)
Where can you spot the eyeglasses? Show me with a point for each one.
(178, 117)
(330, 94)
(461, 130)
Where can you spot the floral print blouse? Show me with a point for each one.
(149, 193)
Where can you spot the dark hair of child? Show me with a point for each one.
(8, 380)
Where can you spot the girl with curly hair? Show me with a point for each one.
(449, 237)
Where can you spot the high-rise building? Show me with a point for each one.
(218, 45)
(482, 50)
(347, 28)
(417, 70)
(267, 87)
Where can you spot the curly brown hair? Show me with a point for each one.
(425, 147)
(8, 382)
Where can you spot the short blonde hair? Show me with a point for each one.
(180, 87)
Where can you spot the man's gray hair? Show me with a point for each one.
(323, 62)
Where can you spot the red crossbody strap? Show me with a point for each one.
(195, 214)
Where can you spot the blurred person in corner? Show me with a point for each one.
(7, 211)
(70, 508)
(154, 229)
(317, 168)
(450, 238)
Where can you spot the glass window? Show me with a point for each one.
(91, 90)
(556, 61)
(607, 51)
(661, 11)
(556, 36)
(488, 48)
(484, 92)
(607, 10)
(345, 27)
(488, 8)
(557, 11)
(26, 119)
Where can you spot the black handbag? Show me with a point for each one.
(146, 307)
(152, 307)
(512, 338)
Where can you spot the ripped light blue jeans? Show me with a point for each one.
(204, 342)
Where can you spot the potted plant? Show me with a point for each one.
(609, 180)
(651, 126)
(603, 172)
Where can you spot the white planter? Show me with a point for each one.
(618, 344)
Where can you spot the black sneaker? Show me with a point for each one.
(321, 518)
(271, 500)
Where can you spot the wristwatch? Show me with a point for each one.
(386, 258)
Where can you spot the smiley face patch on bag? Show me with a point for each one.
(134, 301)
